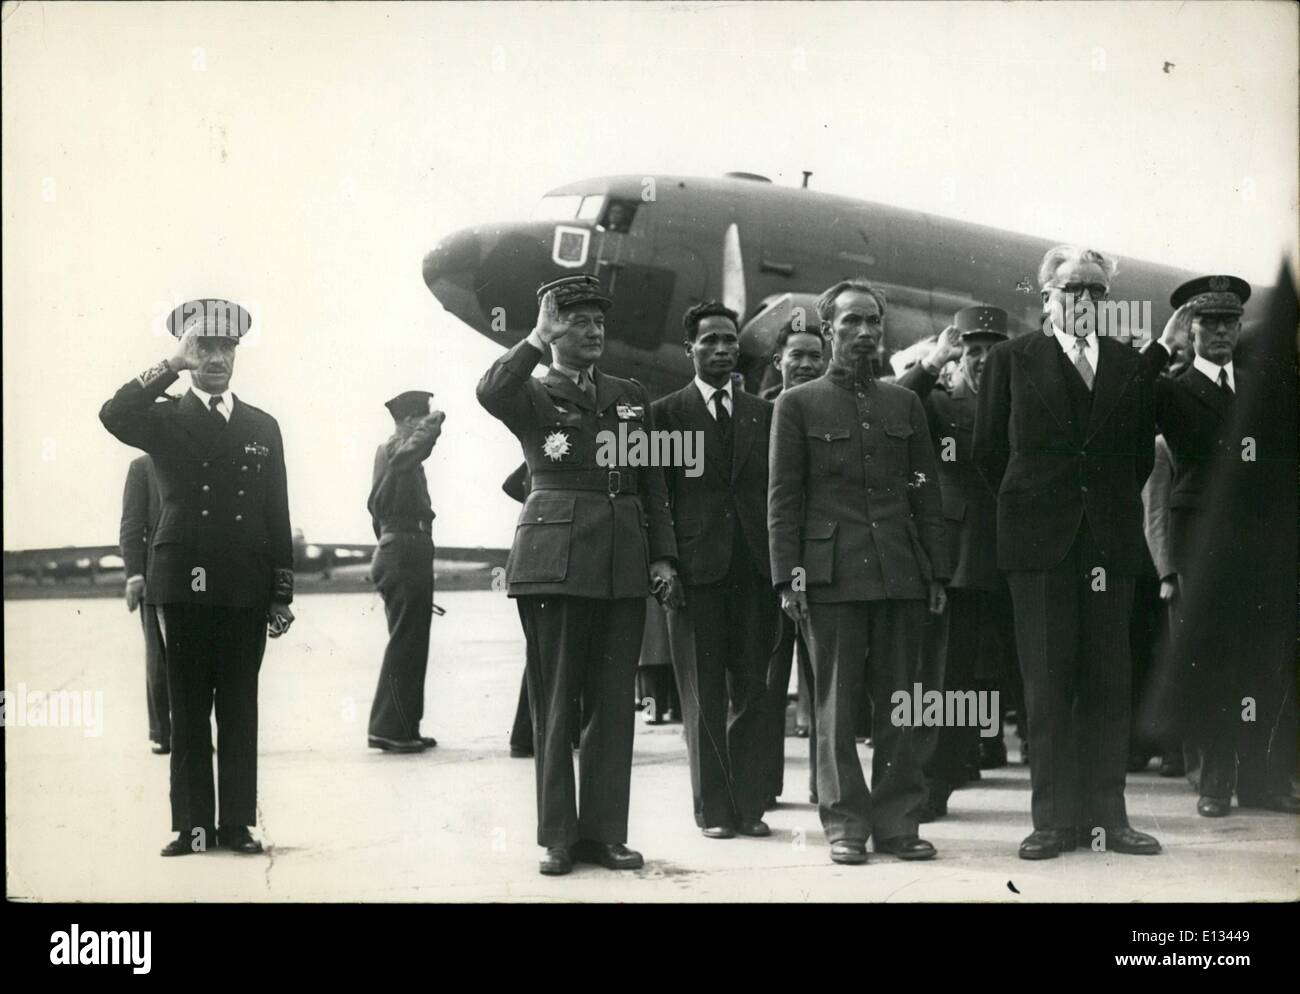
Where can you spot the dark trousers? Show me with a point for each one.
(963, 642)
(213, 656)
(402, 571)
(1073, 640)
(724, 693)
(840, 636)
(155, 676)
(1249, 748)
(581, 649)
(790, 645)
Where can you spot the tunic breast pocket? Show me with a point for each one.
(828, 450)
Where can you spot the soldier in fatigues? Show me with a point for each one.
(221, 565)
(402, 569)
(590, 543)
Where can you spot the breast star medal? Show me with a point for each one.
(556, 446)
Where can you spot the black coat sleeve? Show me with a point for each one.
(991, 445)
(134, 531)
(280, 534)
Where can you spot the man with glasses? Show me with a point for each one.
(1064, 434)
(1200, 415)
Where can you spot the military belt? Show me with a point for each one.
(611, 482)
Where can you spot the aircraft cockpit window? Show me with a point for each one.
(618, 215)
(558, 207)
(591, 207)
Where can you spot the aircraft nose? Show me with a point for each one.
(457, 255)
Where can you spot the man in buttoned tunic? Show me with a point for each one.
(220, 566)
(591, 541)
(402, 570)
(858, 555)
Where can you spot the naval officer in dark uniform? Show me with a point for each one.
(220, 567)
(591, 543)
(858, 552)
(402, 570)
(141, 508)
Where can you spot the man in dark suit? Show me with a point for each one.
(799, 357)
(1065, 435)
(975, 636)
(719, 512)
(220, 567)
(592, 541)
(402, 570)
(1210, 443)
(858, 552)
(141, 507)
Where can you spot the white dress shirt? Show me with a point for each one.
(707, 391)
(1071, 349)
(1211, 371)
(225, 408)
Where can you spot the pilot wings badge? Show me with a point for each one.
(556, 446)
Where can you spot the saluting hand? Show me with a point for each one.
(432, 423)
(551, 324)
(946, 348)
(187, 352)
(1177, 331)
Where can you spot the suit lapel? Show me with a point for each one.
(1207, 391)
(742, 431)
(199, 421)
(1112, 379)
(1043, 369)
(608, 389)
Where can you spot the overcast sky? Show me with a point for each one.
(303, 158)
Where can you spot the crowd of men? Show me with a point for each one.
(982, 519)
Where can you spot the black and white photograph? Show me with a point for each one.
(651, 454)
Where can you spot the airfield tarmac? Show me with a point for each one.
(86, 815)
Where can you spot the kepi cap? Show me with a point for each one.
(409, 402)
(981, 321)
(573, 290)
(1213, 295)
(213, 316)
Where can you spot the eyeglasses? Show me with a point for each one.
(1096, 291)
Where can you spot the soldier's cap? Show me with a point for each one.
(409, 402)
(1213, 295)
(214, 317)
(981, 321)
(573, 290)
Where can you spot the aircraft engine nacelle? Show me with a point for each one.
(758, 336)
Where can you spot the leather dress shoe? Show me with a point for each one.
(719, 832)
(849, 852)
(992, 754)
(186, 842)
(519, 752)
(756, 829)
(160, 748)
(905, 847)
(1214, 807)
(1046, 843)
(611, 855)
(1272, 802)
(1125, 840)
(396, 745)
(557, 863)
(428, 741)
(238, 840)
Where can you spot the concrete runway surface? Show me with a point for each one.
(86, 814)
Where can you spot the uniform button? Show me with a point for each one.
(866, 424)
(828, 436)
(206, 488)
(539, 517)
(873, 524)
(240, 494)
(243, 469)
(203, 513)
(239, 517)
(205, 465)
(1084, 489)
